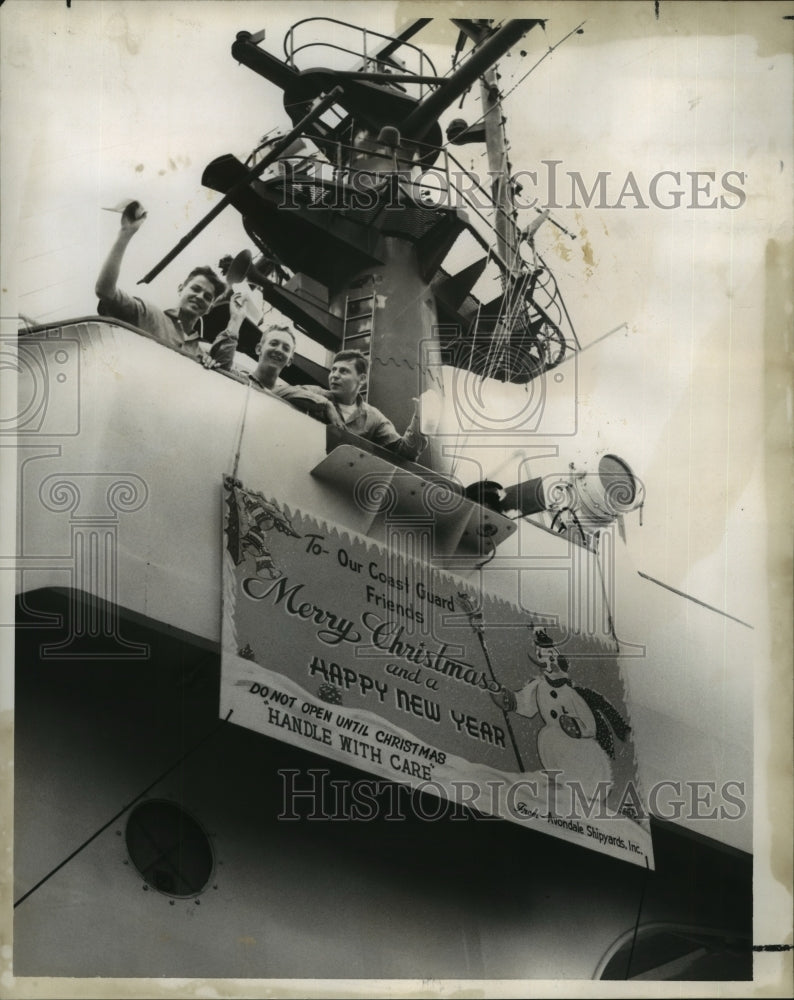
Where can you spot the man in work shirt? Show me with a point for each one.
(180, 327)
(342, 405)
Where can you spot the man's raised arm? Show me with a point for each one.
(131, 221)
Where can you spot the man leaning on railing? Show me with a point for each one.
(342, 405)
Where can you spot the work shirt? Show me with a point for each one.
(163, 325)
(365, 420)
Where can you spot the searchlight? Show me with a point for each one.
(581, 504)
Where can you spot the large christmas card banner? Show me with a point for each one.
(341, 646)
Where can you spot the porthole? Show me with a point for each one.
(169, 848)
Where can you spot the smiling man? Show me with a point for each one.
(342, 405)
(275, 352)
(275, 348)
(179, 327)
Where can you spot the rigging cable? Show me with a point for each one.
(530, 70)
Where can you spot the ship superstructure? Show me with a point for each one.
(367, 203)
(371, 235)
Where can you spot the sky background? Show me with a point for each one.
(114, 100)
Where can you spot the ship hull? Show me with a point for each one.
(117, 686)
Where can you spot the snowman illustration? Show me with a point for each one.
(575, 742)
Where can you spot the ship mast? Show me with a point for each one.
(366, 263)
(526, 330)
(507, 235)
(496, 149)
